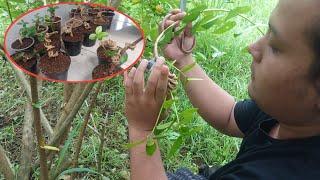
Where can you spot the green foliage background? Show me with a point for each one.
(222, 56)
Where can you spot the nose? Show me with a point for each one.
(256, 51)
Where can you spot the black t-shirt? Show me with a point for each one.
(265, 158)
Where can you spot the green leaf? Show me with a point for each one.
(215, 21)
(124, 58)
(134, 144)
(93, 36)
(151, 146)
(176, 146)
(188, 67)
(226, 27)
(193, 14)
(38, 104)
(238, 10)
(79, 170)
(98, 29)
(168, 103)
(167, 36)
(19, 1)
(104, 34)
(163, 126)
(187, 115)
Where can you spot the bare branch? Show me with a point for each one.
(37, 124)
(27, 144)
(6, 167)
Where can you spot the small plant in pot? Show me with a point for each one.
(76, 12)
(26, 41)
(108, 14)
(101, 20)
(41, 30)
(53, 21)
(54, 64)
(26, 60)
(72, 37)
(88, 28)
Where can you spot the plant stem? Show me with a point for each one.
(155, 125)
(102, 139)
(37, 124)
(9, 10)
(155, 50)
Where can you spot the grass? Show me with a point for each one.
(230, 71)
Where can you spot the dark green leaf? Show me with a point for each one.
(151, 146)
(238, 10)
(176, 146)
(225, 27)
(215, 21)
(193, 14)
(168, 103)
(167, 37)
(163, 126)
(38, 104)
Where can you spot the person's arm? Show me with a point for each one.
(142, 106)
(215, 104)
(142, 165)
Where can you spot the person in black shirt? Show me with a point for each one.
(280, 124)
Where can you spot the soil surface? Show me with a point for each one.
(54, 65)
(26, 42)
(26, 64)
(102, 54)
(75, 38)
(104, 70)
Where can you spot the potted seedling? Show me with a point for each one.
(73, 37)
(107, 48)
(26, 60)
(88, 28)
(53, 21)
(101, 20)
(108, 14)
(76, 12)
(41, 30)
(54, 64)
(26, 41)
(93, 12)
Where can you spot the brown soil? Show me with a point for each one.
(26, 42)
(104, 70)
(102, 55)
(91, 29)
(75, 38)
(54, 65)
(26, 64)
(38, 47)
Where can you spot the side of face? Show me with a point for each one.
(281, 84)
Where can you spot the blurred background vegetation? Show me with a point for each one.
(222, 56)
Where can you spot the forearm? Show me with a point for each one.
(214, 104)
(142, 165)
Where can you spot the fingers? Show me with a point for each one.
(175, 11)
(138, 80)
(161, 90)
(153, 79)
(188, 30)
(174, 16)
(128, 79)
(178, 17)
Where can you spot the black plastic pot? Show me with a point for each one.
(88, 42)
(26, 49)
(73, 48)
(58, 76)
(110, 15)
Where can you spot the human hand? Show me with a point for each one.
(182, 45)
(143, 104)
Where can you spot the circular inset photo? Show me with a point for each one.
(74, 42)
